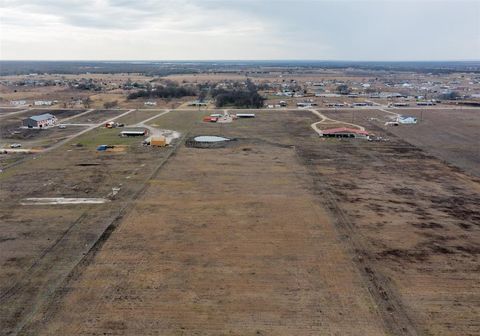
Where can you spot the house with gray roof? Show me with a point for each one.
(40, 121)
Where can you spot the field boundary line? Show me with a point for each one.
(56, 293)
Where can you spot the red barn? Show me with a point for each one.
(210, 119)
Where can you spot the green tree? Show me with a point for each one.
(343, 89)
(109, 105)
(87, 102)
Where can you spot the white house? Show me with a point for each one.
(406, 120)
(42, 103)
(40, 121)
(18, 102)
(426, 103)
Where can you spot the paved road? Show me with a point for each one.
(77, 115)
(80, 124)
(143, 122)
(3, 115)
(389, 112)
(155, 132)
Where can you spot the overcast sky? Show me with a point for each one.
(239, 30)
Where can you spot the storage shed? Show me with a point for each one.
(133, 132)
(245, 115)
(159, 141)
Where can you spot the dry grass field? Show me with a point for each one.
(278, 74)
(276, 233)
(8, 93)
(62, 94)
(41, 244)
(413, 222)
(117, 77)
(449, 134)
(210, 249)
(11, 131)
(4, 110)
(96, 116)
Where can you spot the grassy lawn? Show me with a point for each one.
(138, 116)
(106, 136)
(179, 120)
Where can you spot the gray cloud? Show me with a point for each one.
(306, 29)
(87, 13)
(126, 14)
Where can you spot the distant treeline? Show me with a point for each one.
(83, 67)
(241, 95)
(169, 91)
(163, 68)
(241, 98)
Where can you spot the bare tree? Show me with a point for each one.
(109, 105)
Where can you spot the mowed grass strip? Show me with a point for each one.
(106, 136)
(179, 120)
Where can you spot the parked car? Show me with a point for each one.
(15, 145)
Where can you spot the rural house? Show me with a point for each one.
(40, 121)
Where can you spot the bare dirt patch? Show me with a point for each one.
(282, 233)
(211, 248)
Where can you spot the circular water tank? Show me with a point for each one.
(210, 138)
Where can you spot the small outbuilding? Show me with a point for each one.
(426, 103)
(245, 115)
(159, 141)
(210, 119)
(131, 132)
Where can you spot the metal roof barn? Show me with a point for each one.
(133, 132)
(42, 117)
(42, 120)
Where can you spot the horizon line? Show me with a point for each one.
(237, 60)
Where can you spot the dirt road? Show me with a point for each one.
(170, 135)
(329, 121)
